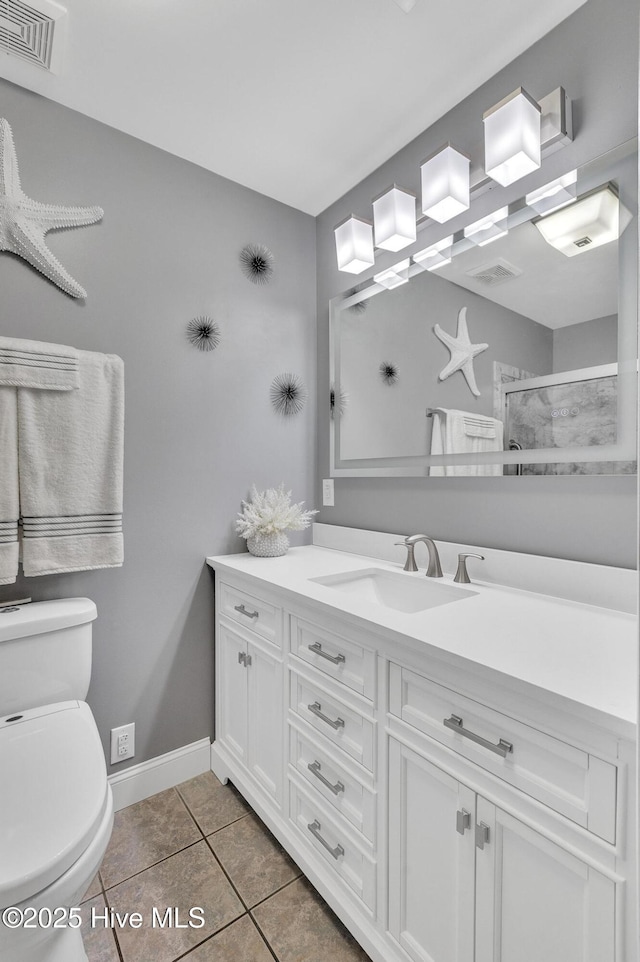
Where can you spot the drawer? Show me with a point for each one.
(328, 837)
(567, 779)
(342, 658)
(250, 612)
(334, 719)
(337, 786)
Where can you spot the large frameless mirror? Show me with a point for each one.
(550, 385)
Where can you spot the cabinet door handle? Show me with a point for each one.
(314, 768)
(245, 612)
(463, 821)
(482, 835)
(244, 658)
(314, 827)
(316, 648)
(316, 709)
(455, 724)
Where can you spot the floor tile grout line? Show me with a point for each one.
(153, 865)
(227, 876)
(264, 937)
(189, 812)
(276, 891)
(210, 937)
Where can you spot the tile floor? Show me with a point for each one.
(200, 845)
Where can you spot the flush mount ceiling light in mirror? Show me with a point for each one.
(554, 195)
(394, 276)
(488, 229)
(354, 245)
(438, 255)
(445, 184)
(595, 219)
(512, 138)
(394, 218)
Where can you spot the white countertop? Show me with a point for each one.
(580, 652)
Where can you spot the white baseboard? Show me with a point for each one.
(148, 778)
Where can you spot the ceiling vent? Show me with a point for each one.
(497, 272)
(34, 32)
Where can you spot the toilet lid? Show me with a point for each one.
(53, 792)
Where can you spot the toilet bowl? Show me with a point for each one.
(56, 806)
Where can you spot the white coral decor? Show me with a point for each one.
(264, 519)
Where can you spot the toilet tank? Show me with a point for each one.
(45, 653)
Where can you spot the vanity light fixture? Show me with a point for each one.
(554, 195)
(488, 229)
(438, 255)
(354, 245)
(595, 219)
(394, 218)
(445, 184)
(512, 138)
(394, 276)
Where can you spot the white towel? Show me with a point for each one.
(460, 432)
(71, 467)
(36, 364)
(9, 497)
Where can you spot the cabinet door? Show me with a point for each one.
(231, 692)
(535, 900)
(431, 860)
(265, 719)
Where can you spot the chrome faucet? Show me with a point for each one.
(434, 570)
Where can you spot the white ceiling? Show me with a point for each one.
(297, 99)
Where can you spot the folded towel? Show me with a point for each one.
(459, 432)
(71, 465)
(9, 499)
(35, 364)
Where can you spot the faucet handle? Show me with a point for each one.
(410, 563)
(462, 575)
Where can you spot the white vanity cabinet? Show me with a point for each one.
(446, 812)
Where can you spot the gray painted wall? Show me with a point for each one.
(199, 427)
(594, 55)
(586, 345)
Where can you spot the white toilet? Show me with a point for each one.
(56, 806)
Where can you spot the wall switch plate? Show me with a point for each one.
(123, 743)
(327, 493)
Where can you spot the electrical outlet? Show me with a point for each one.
(328, 499)
(123, 743)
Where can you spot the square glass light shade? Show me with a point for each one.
(596, 219)
(354, 245)
(394, 219)
(488, 229)
(394, 276)
(554, 195)
(512, 138)
(445, 184)
(438, 255)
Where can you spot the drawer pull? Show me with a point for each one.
(316, 648)
(482, 835)
(243, 611)
(314, 827)
(455, 724)
(316, 709)
(314, 768)
(463, 821)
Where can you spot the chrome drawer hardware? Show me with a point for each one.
(482, 835)
(244, 658)
(243, 611)
(314, 827)
(455, 724)
(463, 821)
(316, 648)
(316, 709)
(314, 768)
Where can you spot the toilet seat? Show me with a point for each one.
(54, 795)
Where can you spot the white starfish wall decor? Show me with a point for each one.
(462, 352)
(24, 222)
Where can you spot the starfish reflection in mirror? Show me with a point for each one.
(462, 352)
(24, 222)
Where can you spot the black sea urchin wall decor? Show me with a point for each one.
(256, 262)
(360, 306)
(388, 372)
(203, 333)
(338, 401)
(288, 394)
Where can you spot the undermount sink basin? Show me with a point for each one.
(397, 590)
